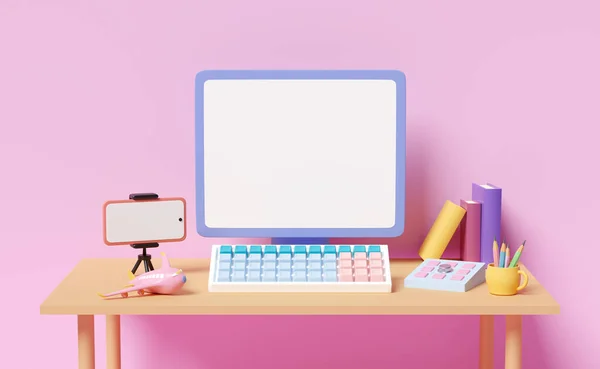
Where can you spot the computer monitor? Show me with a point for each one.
(300, 154)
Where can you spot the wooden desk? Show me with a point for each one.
(76, 295)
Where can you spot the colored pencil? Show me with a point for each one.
(507, 259)
(517, 256)
(502, 255)
(495, 252)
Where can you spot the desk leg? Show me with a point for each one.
(514, 339)
(486, 342)
(113, 342)
(85, 341)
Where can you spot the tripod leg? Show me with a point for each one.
(150, 264)
(136, 266)
(146, 266)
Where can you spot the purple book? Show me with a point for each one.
(490, 198)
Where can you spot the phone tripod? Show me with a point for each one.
(144, 257)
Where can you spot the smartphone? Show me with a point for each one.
(127, 222)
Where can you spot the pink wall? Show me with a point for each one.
(97, 102)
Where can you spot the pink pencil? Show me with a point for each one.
(496, 253)
(507, 259)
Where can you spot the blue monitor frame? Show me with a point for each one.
(304, 233)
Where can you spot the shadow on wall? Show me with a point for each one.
(534, 349)
(416, 223)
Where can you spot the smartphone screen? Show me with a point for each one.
(129, 222)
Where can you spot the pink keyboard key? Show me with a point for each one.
(439, 276)
(376, 263)
(360, 256)
(361, 275)
(346, 278)
(345, 264)
(468, 266)
(376, 272)
(421, 275)
(360, 263)
(346, 275)
(345, 256)
(361, 271)
(375, 256)
(345, 271)
(377, 278)
(427, 269)
(462, 272)
(457, 277)
(433, 263)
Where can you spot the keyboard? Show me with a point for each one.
(446, 275)
(300, 268)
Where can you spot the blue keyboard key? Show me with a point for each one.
(314, 257)
(374, 248)
(285, 249)
(314, 249)
(315, 265)
(285, 265)
(284, 276)
(254, 249)
(224, 265)
(239, 264)
(329, 249)
(332, 257)
(238, 276)
(254, 265)
(269, 265)
(299, 257)
(271, 249)
(360, 248)
(223, 276)
(299, 249)
(225, 249)
(224, 257)
(299, 277)
(314, 276)
(330, 265)
(285, 256)
(254, 276)
(299, 265)
(240, 249)
(269, 276)
(330, 276)
(345, 248)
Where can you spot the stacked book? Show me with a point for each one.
(477, 220)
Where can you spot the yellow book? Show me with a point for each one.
(441, 231)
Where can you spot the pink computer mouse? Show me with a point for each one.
(165, 281)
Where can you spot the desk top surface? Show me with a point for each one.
(77, 295)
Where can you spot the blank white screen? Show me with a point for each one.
(145, 221)
(300, 153)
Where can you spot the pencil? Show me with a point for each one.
(517, 256)
(495, 252)
(502, 255)
(507, 260)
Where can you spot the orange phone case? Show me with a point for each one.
(150, 200)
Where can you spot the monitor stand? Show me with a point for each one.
(300, 241)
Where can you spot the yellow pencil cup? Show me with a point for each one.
(505, 281)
